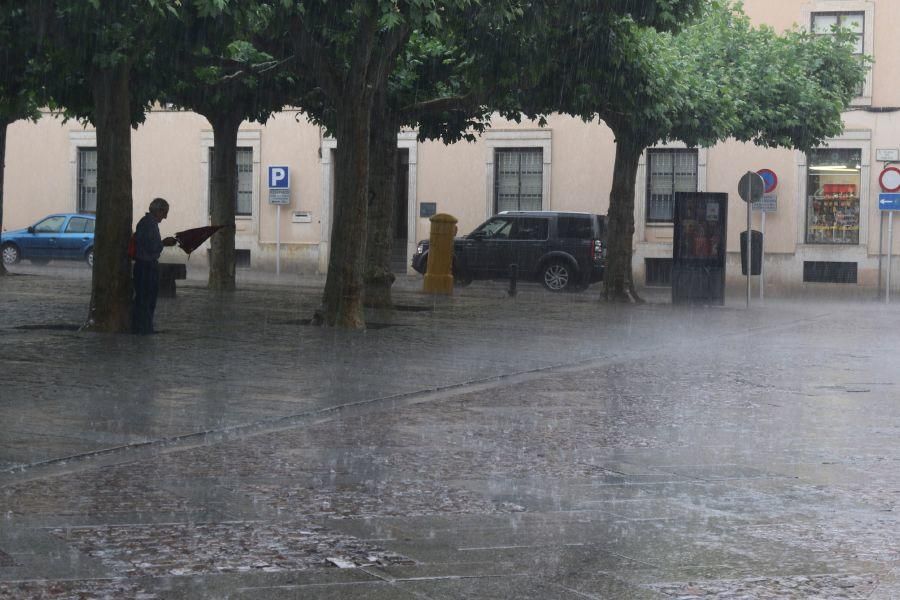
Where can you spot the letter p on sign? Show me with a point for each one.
(279, 178)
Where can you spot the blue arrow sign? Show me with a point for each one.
(889, 201)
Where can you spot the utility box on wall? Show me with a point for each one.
(698, 249)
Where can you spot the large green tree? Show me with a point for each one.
(482, 60)
(430, 92)
(217, 71)
(20, 94)
(719, 78)
(99, 58)
(350, 49)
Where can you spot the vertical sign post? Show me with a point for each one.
(749, 245)
(887, 284)
(750, 188)
(889, 200)
(769, 203)
(279, 193)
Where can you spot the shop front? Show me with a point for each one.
(832, 203)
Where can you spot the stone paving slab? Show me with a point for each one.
(702, 453)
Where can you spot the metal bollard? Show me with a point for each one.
(513, 279)
(438, 278)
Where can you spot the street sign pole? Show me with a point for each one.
(762, 264)
(887, 283)
(278, 240)
(749, 246)
(888, 200)
(880, 249)
(279, 193)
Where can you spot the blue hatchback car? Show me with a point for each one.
(61, 236)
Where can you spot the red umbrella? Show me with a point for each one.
(190, 239)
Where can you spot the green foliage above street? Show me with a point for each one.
(718, 78)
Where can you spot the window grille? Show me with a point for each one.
(829, 272)
(668, 171)
(87, 180)
(244, 193)
(658, 272)
(519, 179)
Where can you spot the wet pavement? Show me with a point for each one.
(480, 446)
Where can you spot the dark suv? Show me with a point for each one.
(562, 250)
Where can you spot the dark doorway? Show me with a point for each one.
(399, 260)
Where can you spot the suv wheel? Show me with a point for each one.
(461, 278)
(558, 276)
(11, 254)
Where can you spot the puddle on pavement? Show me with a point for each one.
(369, 325)
(50, 327)
(412, 308)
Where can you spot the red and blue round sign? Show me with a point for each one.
(769, 178)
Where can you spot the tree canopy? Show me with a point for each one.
(718, 78)
(215, 68)
(20, 94)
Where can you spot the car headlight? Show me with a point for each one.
(420, 249)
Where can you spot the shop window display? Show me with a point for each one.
(832, 208)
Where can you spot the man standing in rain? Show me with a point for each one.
(147, 247)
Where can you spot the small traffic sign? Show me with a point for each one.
(751, 187)
(279, 196)
(279, 178)
(768, 203)
(770, 179)
(889, 201)
(890, 179)
(887, 154)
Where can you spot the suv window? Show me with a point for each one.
(496, 229)
(575, 226)
(531, 229)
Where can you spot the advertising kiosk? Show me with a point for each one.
(698, 249)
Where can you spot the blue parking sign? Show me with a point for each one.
(279, 178)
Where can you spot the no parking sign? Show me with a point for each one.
(769, 200)
(770, 179)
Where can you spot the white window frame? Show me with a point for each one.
(867, 7)
(529, 138)
(246, 139)
(78, 139)
(671, 152)
(407, 140)
(640, 195)
(519, 153)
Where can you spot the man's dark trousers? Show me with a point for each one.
(146, 288)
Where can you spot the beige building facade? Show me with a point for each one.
(827, 228)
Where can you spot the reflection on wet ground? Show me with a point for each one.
(537, 447)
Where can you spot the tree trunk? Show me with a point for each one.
(111, 279)
(382, 195)
(4, 123)
(223, 199)
(342, 302)
(618, 284)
